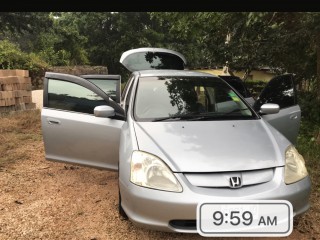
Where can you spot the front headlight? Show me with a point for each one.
(295, 168)
(149, 171)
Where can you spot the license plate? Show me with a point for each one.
(258, 218)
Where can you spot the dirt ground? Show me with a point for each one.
(47, 200)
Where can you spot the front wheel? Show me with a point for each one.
(122, 213)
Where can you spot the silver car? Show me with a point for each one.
(178, 138)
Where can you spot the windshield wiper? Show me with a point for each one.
(186, 117)
(166, 118)
(198, 117)
(201, 118)
(176, 118)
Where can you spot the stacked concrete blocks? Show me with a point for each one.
(15, 90)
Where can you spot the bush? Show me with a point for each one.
(255, 87)
(11, 57)
(309, 104)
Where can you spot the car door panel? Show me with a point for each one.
(81, 138)
(287, 121)
(281, 90)
(77, 137)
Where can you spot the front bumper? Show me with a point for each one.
(157, 210)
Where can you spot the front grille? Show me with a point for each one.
(222, 179)
(184, 224)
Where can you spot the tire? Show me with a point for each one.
(122, 213)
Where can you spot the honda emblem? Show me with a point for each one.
(235, 182)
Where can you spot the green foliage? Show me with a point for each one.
(308, 145)
(70, 42)
(255, 87)
(53, 37)
(284, 41)
(11, 57)
(55, 58)
(110, 34)
(20, 22)
(310, 106)
(193, 34)
(61, 44)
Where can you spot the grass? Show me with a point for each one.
(18, 131)
(308, 145)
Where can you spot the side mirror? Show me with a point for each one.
(269, 108)
(104, 111)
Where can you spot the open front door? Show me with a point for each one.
(280, 90)
(71, 131)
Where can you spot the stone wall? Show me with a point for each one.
(37, 81)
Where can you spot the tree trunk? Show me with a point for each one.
(318, 69)
(318, 81)
(246, 74)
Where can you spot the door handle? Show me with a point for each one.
(53, 121)
(293, 117)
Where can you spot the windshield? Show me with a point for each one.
(188, 98)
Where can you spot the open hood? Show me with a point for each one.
(152, 59)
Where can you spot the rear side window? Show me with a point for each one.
(107, 85)
(72, 97)
(237, 84)
(280, 90)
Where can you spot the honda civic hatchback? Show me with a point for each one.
(178, 138)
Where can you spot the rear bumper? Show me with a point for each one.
(160, 210)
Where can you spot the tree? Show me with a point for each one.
(199, 36)
(110, 34)
(24, 21)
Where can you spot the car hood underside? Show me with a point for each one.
(212, 146)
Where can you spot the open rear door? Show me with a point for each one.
(281, 90)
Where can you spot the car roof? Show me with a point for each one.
(100, 76)
(230, 78)
(155, 73)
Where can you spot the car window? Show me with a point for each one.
(109, 86)
(160, 97)
(280, 90)
(237, 84)
(72, 97)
